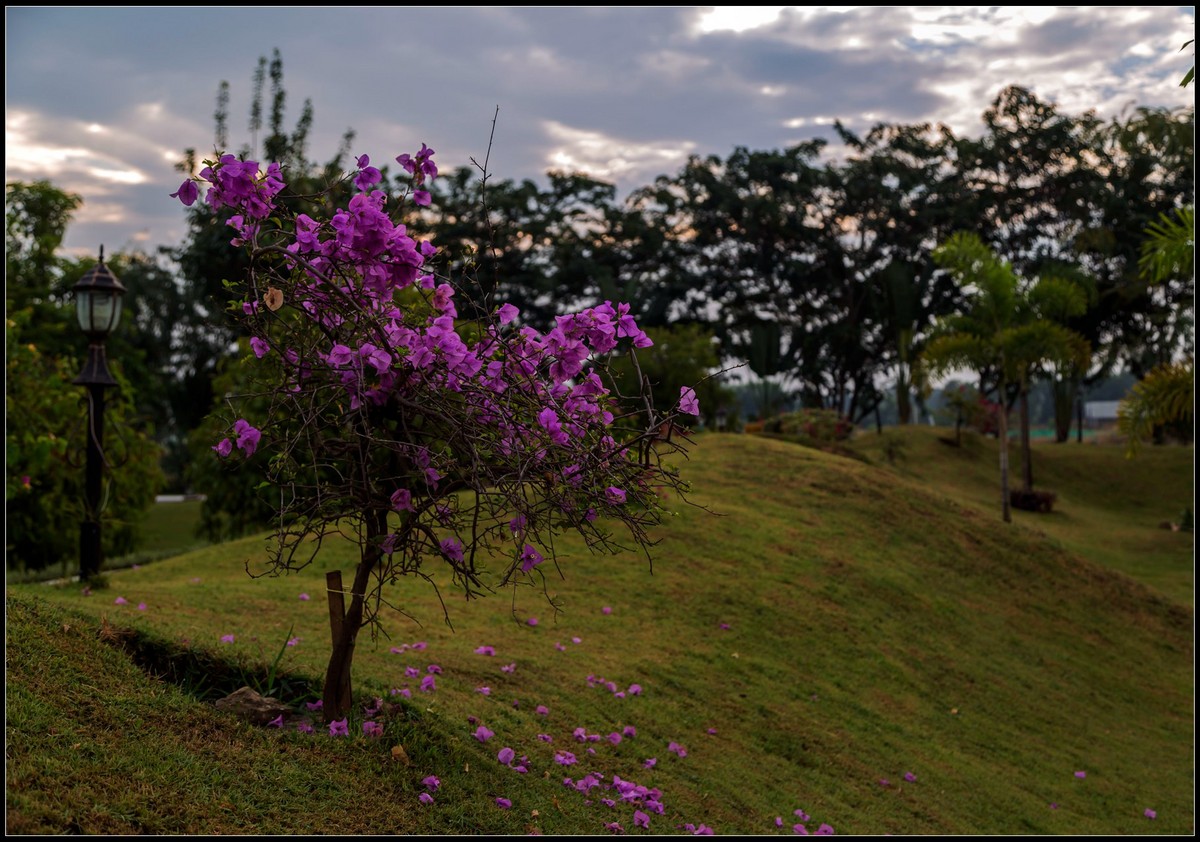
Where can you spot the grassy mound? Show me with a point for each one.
(837, 625)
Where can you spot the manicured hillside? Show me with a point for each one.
(834, 626)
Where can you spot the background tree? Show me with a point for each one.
(999, 330)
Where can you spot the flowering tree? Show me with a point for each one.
(427, 435)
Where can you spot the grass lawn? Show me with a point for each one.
(866, 643)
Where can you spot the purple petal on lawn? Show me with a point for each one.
(779, 821)
(485, 650)
(614, 738)
(487, 691)
(800, 814)
(712, 732)
(508, 668)
(425, 798)
(433, 782)
(606, 610)
(227, 638)
(577, 640)
(277, 722)
(120, 601)
(799, 830)
(304, 727)
(723, 626)
(1150, 814)
(910, 777)
(825, 830)
(542, 710)
(545, 738)
(533, 621)
(506, 755)
(503, 803)
(419, 646)
(483, 734)
(884, 782)
(629, 731)
(650, 762)
(635, 690)
(613, 827)
(641, 819)
(1053, 805)
(560, 647)
(339, 728)
(304, 597)
(428, 684)
(1081, 774)
(293, 641)
(317, 705)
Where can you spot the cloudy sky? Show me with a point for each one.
(102, 101)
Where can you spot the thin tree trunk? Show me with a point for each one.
(1026, 447)
(337, 674)
(1002, 426)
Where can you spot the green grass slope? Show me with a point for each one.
(837, 625)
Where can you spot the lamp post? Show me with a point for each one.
(98, 308)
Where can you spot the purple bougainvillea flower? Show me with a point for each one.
(411, 672)
(224, 447)
(304, 597)
(564, 758)
(910, 777)
(277, 722)
(530, 558)
(641, 819)
(687, 401)
(433, 782)
(339, 728)
(187, 192)
(507, 313)
(613, 827)
(428, 685)
(1150, 814)
(425, 798)
(485, 650)
(483, 733)
(1081, 774)
(506, 755)
(227, 638)
(503, 803)
(615, 496)
(120, 601)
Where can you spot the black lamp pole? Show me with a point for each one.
(98, 308)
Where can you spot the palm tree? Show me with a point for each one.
(1005, 331)
(1167, 394)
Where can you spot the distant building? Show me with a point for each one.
(1100, 415)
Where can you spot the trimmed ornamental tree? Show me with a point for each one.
(431, 429)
